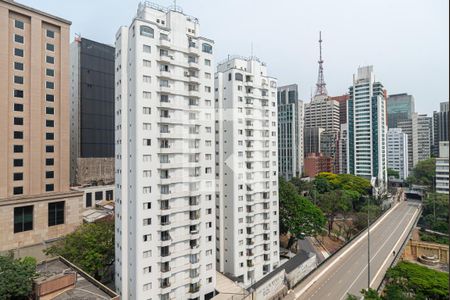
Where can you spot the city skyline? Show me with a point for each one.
(417, 46)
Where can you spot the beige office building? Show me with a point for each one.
(36, 203)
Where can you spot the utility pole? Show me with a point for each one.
(368, 243)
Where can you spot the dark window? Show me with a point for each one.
(18, 66)
(18, 52)
(18, 107)
(23, 218)
(18, 135)
(50, 34)
(49, 174)
(49, 187)
(18, 79)
(49, 136)
(18, 190)
(18, 176)
(18, 121)
(238, 77)
(49, 161)
(50, 47)
(50, 72)
(18, 24)
(50, 59)
(56, 213)
(88, 199)
(50, 85)
(98, 196)
(50, 98)
(147, 31)
(18, 39)
(207, 48)
(109, 194)
(18, 148)
(18, 93)
(229, 76)
(49, 110)
(18, 162)
(49, 149)
(50, 123)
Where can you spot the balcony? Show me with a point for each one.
(194, 289)
(165, 268)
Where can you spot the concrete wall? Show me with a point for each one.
(415, 249)
(302, 270)
(91, 170)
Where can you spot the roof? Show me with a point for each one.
(12, 2)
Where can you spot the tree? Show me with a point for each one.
(332, 203)
(16, 277)
(393, 173)
(423, 172)
(297, 214)
(91, 247)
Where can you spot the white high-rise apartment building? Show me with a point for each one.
(290, 132)
(397, 146)
(247, 169)
(442, 171)
(367, 129)
(165, 221)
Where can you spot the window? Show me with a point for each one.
(147, 79)
(50, 123)
(18, 107)
(18, 52)
(207, 62)
(18, 135)
(18, 149)
(146, 49)
(18, 190)
(49, 161)
(49, 187)
(147, 31)
(146, 95)
(50, 98)
(50, 72)
(109, 194)
(56, 213)
(18, 24)
(49, 149)
(146, 110)
(49, 136)
(18, 176)
(18, 162)
(147, 142)
(49, 174)
(50, 59)
(88, 199)
(18, 121)
(18, 66)
(18, 39)
(18, 79)
(164, 98)
(147, 63)
(49, 110)
(207, 48)
(50, 85)
(23, 218)
(50, 34)
(18, 93)
(50, 47)
(98, 196)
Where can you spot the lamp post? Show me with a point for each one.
(368, 243)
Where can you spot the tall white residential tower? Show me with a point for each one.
(367, 127)
(397, 152)
(165, 222)
(247, 169)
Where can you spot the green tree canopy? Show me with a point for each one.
(16, 277)
(297, 214)
(423, 172)
(91, 247)
(393, 173)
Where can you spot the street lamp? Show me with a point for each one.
(368, 243)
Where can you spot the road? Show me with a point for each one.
(347, 272)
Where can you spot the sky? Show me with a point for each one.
(407, 41)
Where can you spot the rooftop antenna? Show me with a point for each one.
(321, 89)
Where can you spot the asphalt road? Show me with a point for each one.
(347, 271)
(308, 244)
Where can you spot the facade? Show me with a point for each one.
(92, 112)
(409, 127)
(247, 170)
(397, 154)
(36, 203)
(366, 115)
(399, 107)
(342, 107)
(440, 127)
(312, 139)
(442, 169)
(165, 182)
(316, 163)
(424, 137)
(343, 136)
(290, 132)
